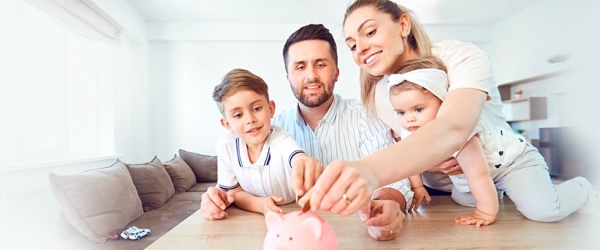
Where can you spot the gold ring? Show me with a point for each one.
(345, 198)
(391, 232)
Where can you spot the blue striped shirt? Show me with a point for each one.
(346, 132)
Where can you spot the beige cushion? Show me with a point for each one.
(152, 182)
(96, 202)
(181, 174)
(204, 166)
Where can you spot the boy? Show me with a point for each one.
(255, 160)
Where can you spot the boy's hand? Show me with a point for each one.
(305, 171)
(477, 218)
(420, 195)
(270, 204)
(214, 202)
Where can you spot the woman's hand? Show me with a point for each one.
(449, 166)
(343, 188)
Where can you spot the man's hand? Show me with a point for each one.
(270, 204)
(383, 219)
(214, 202)
(420, 195)
(449, 166)
(305, 171)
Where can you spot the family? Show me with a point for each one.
(430, 115)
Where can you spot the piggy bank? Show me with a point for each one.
(298, 230)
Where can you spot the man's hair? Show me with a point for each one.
(236, 80)
(310, 32)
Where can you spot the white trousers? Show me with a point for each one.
(528, 184)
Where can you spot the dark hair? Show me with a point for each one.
(310, 32)
(236, 80)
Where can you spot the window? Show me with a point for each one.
(56, 97)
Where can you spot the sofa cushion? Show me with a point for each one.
(153, 184)
(181, 174)
(204, 166)
(96, 202)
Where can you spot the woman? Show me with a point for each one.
(382, 36)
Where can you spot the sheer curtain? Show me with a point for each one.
(56, 86)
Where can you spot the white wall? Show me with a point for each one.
(520, 47)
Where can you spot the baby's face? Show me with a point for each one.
(248, 115)
(415, 108)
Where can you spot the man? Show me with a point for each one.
(330, 128)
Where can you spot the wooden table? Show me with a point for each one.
(432, 227)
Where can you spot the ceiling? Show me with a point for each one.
(430, 12)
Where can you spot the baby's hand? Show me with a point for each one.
(477, 218)
(420, 194)
(269, 204)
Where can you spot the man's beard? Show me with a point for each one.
(313, 100)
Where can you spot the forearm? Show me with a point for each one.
(483, 190)
(432, 143)
(249, 202)
(415, 181)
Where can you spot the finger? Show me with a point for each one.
(323, 185)
(215, 196)
(298, 180)
(364, 213)
(309, 176)
(305, 198)
(428, 198)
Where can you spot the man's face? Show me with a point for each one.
(312, 72)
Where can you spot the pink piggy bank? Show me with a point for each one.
(298, 230)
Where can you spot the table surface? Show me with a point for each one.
(431, 227)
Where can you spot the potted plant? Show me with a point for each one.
(518, 93)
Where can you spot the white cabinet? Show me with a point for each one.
(525, 109)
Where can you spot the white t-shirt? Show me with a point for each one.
(468, 67)
(269, 175)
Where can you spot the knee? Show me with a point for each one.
(542, 215)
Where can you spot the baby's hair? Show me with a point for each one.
(424, 62)
(236, 80)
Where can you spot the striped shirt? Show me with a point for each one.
(346, 132)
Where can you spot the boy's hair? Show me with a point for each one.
(425, 62)
(236, 80)
(310, 32)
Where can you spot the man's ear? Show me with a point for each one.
(272, 108)
(337, 74)
(225, 123)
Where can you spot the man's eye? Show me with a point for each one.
(321, 65)
(299, 67)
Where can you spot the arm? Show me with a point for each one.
(474, 164)
(253, 203)
(420, 193)
(456, 119)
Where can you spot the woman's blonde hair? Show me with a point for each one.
(418, 41)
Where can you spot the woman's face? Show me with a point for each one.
(376, 41)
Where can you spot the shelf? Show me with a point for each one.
(534, 78)
(525, 109)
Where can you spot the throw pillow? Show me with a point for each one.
(153, 184)
(203, 166)
(181, 174)
(96, 202)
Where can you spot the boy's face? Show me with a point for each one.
(415, 108)
(248, 115)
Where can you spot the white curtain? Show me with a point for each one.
(81, 17)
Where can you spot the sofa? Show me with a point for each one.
(152, 195)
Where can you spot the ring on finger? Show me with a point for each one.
(345, 198)
(391, 232)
